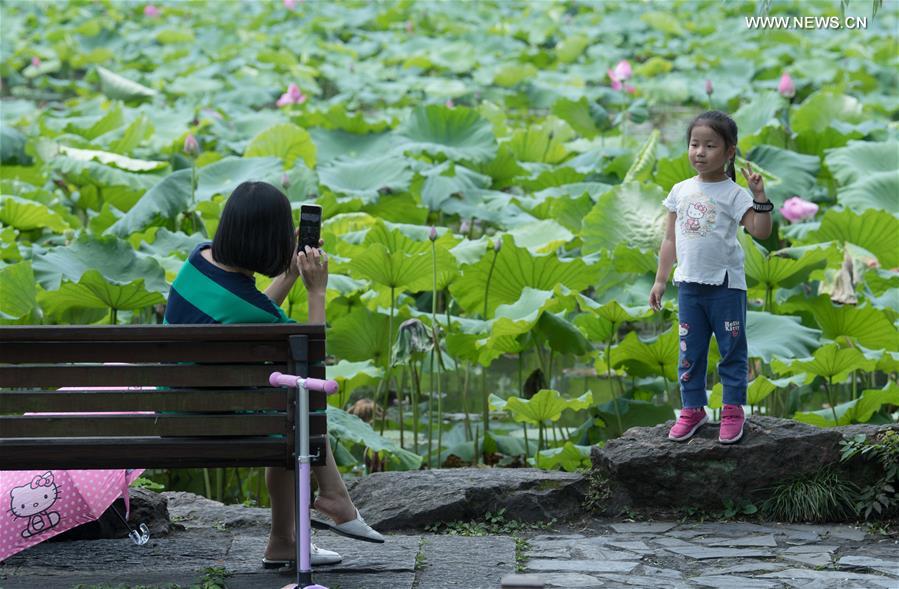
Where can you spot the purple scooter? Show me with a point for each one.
(303, 520)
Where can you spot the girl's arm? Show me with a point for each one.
(667, 257)
(313, 265)
(757, 224)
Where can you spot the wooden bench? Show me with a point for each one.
(213, 408)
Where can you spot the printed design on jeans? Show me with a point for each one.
(683, 329)
(733, 327)
(685, 377)
(697, 216)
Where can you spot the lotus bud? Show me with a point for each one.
(290, 4)
(191, 147)
(432, 234)
(623, 70)
(786, 87)
(465, 227)
(285, 181)
(36, 61)
(410, 26)
(497, 244)
(708, 87)
(450, 103)
(151, 11)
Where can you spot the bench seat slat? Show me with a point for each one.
(82, 453)
(79, 426)
(169, 400)
(172, 375)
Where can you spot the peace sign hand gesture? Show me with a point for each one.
(754, 180)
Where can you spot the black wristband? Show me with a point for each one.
(762, 207)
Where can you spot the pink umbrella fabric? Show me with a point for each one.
(40, 504)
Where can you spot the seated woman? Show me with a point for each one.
(216, 285)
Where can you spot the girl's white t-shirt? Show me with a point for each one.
(708, 218)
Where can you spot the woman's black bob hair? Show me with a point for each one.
(256, 231)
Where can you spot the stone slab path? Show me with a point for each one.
(653, 555)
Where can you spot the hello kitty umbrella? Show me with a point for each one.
(39, 504)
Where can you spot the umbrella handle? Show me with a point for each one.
(140, 538)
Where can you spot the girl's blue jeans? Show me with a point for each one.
(704, 309)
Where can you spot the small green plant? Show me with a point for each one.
(521, 548)
(420, 559)
(598, 491)
(733, 508)
(145, 483)
(493, 524)
(823, 496)
(879, 498)
(213, 578)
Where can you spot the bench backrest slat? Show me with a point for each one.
(169, 375)
(134, 400)
(128, 426)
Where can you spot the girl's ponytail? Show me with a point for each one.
(731, 169)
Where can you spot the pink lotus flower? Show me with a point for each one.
(151, 11)
(293, 96)
(450, 103)
(191, 146)
(36, 61)
(786, 87)
(621, 73)
(796, 209)
(709, 89)
(290, 4)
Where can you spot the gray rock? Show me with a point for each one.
(466, 561)
(646, 470)
(195, 511)
(766, 540)
(643, 527)
(572, 580)
(815, 579)
(146, 507)
(890, 567)
(415, 499)
(731, 582)
(703, 552)
(580, 566)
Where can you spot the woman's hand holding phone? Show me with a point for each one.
(312, 266)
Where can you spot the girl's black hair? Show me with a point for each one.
(725, 127)
(256, 231)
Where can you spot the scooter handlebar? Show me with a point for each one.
(312, 384)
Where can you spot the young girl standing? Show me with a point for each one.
(705, 212)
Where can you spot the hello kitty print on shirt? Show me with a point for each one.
(698, 218)
(33, 501)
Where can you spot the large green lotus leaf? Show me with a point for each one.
(9, 250)
(164, 201)
(118, 87)
(861, 159)
(577, 114)
(223, 176)
(166, 243)
(359, 336)
(868, 325)
(391, 269)
(18, 293)
(120, 188)
(856, 411)
(877, 191)
(614, 312)
(286, 141)
(670, 171)
(873, 230)
(644, 161)
(333, 144)
(366, 178)
(458, 133)
(594, 327)
(352, 375)
(538, 143)
(94, 291)
(12, 147)
(113, 119)
(795, 172)
(24, 214)
(772, 271)
(822, 108)
(512, 74)
(448, 179)
(110, 258)
(757, 391)
(653, 357)
(635, 260)
(338, 117)
(112, 159)
(139, 130)
(628, 213)
(569, 458)
(541, 236)
(346, 427)
(546, 405)
(567, 209)
(413, 241)
(764, 333)
(757, 114)
(515, 269)
(562, 336)
(832, 363)
(503, 168)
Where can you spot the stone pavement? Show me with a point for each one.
(601, 554)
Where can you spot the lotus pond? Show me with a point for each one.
(538, 139)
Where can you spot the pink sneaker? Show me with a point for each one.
(690, 420)
(732, 421)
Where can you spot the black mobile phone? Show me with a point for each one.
(310, 227)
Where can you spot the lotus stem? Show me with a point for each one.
(465, 384)
(436, 350)
(416, 399)
(833, 409)
(386, 381)
(400, 395)
(611, 388)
